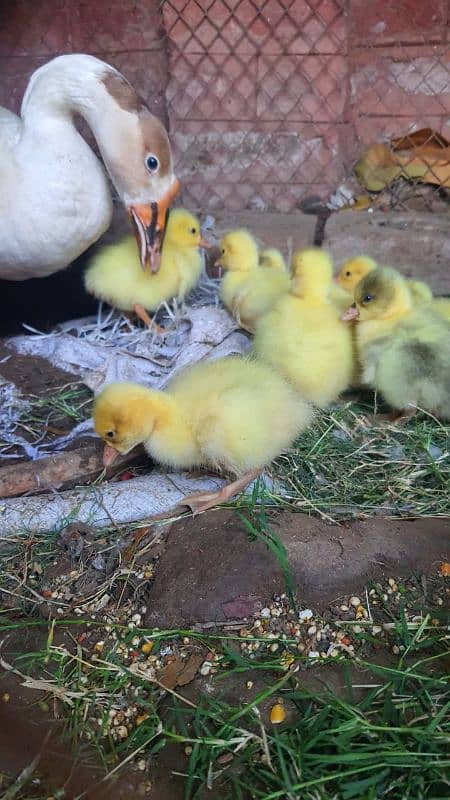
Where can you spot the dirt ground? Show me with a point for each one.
(210, 571)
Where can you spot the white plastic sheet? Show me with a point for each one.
(138, 355)
(125, 501)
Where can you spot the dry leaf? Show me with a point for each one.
(130, 551)
(190, 670)
(444, 569)
(418, 139)
(423, 155)
(179, 672)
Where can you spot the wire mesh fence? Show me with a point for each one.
(268, 101)
(271, 101)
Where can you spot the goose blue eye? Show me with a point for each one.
(152, 163)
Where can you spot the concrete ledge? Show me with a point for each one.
(284, 231)
(418, 244)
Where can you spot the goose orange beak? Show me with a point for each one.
(351, 313)
(149, 221)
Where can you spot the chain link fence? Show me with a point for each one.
(268, 101)
(272, 101)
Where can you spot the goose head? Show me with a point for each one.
(137, 154)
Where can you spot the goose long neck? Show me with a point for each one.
(76, 84)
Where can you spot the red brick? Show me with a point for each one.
(213, 28)
(304, 88)
(288, 198)
(379, 22)
(111, 25)
(403, 86)
(14, 76)
(212, 87)
(302, 27)
(236, 154)
(220, 197)
(269, 197)
(28, 28)
(276, 27)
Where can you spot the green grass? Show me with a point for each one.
(66, 405)
(386, 735)
(389, 735)
(53, 413)
(393, 742)
(346, 465)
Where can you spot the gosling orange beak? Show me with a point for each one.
(109, 456)
(351, 313)
(150, 220)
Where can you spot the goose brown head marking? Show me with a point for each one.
(141, 168)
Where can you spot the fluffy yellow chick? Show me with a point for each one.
(303, 336)
(357, 268)
(354, 271)
(273, 258)
(404, 349)
(116, 276)
(247, 289)
(232, 414)
(442, 306)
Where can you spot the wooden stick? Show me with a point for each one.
(70, 467)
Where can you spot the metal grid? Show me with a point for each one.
(271, 101)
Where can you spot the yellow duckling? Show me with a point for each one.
(116, 276)
(303, 336)
(442, 306)
(273, 258)
(232, 414)
(247, 289)
(356, 269)
(404, 349)
(353, 271)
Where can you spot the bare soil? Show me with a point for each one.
(31, 374)
(210, 566)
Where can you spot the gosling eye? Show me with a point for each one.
(348, 274)
(194, 230)
(367, 298)
(223, 251)
(110, 434)
(152, 163)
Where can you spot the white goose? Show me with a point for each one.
(55, 197)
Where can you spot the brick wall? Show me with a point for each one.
(272, 100)
(126, 33)
(267, 100)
